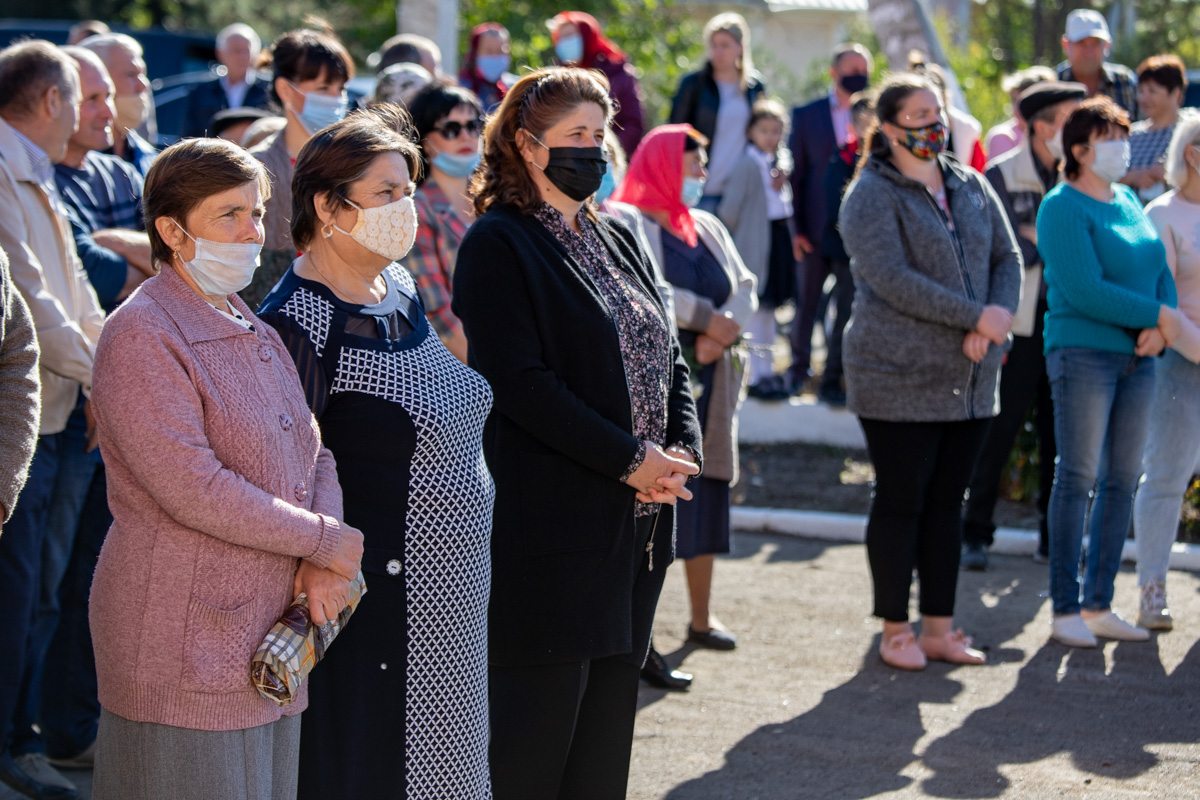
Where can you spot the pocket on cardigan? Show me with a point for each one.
(218, 646)
(555, 482)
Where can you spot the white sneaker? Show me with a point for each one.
(37, 767)
(1071, 631)
(1153, 613)
(1111, 626)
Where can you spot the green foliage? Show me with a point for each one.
(662, 44)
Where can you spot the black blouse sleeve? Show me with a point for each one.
(304, 355)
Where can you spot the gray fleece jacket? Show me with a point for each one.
(920, 289)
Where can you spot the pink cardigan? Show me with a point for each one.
(218, 484)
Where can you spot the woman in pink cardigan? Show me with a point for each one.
(225, 503)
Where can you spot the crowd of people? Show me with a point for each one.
(484, 340)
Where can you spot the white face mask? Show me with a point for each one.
(387, 230)
(1112, 159)
(221, 268)
(1055, 146)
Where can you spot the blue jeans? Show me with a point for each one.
(1101, 413)
(34, 553)
(1172, 448)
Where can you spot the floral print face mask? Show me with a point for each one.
(925, 143)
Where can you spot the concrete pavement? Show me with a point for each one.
(805, 709)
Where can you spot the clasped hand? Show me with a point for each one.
(328, 590)
(992, 328)
(1152, 341)
(662, 475)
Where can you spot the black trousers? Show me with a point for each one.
(564, 731)
(921, 475)
(1023, 383)
(843, 294)
(811, 273)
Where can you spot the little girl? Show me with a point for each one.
(757, 209)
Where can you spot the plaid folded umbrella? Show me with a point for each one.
(294, 645)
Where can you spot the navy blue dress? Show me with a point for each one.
(702, 525)
(398, 707)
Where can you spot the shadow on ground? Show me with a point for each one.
(1069, 701)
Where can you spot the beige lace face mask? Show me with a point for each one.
(387, 230)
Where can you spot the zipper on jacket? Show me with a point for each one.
(961, 260)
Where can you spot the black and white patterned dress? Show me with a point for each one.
(398, 708)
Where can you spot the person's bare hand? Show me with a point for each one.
(93, 431)
(1150, 342)
(995, 322)
(133, 246)
(347, 559)
(975, 346)
(708, 349)
(1170, 324)
(1156, 172)
(801, 246)
(723, 328)
(659, 464)
(328, 593)
(1028, 232)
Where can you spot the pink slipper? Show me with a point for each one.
(954, 647)
(901, 652)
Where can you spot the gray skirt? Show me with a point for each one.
(148, 761)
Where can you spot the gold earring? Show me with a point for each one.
(327, 231)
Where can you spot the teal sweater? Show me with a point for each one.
(1105, 269)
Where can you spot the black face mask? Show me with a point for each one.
(853, 83)
(576, 171)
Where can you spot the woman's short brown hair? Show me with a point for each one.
(186, 174)
(336, 158)
(306, 53)
(534, 104)
(1099, 116)
(1167, 71)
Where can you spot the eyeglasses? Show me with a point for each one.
(452, 129)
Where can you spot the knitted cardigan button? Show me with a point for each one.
(301, 492)
(265, 352)
(285, 422)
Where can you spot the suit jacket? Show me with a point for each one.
(559, 438)
(207, 98)
(812, 143)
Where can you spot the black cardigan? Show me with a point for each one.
(559, 438)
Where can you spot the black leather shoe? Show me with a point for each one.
(21, 782)
(974, 557)
(713, 639)
(658, 673)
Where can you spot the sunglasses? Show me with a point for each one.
(451, 130)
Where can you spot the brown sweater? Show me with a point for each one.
(19, 391)
(218, 483)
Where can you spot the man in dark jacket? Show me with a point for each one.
(1021, 177)
(819, 129)
(235, 83)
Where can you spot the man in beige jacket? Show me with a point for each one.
(39, 99)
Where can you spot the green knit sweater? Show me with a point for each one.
(1106, 270)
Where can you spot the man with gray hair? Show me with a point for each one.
(234, 84)
(122, 57)
(39, 111)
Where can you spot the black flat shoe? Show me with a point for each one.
(713, 639)
(23, 783)
(658, 673)
(974, 557)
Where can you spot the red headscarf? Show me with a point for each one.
(468, 76)
(654, 180)
(594, 41)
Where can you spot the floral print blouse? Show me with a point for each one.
(644, 333)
